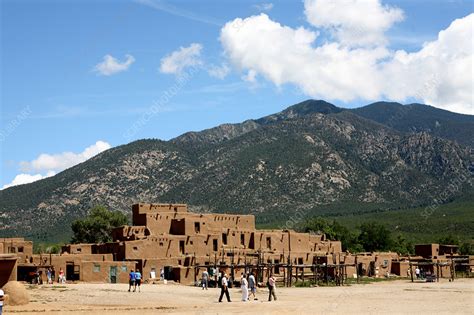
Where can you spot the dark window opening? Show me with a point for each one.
(300, 261)
(269, 242)
(276, 269)
(252, 241)
(242, 239)
(214, 245)
(181, 247)
(177, 227)
(20, 249)
(197, 227)
(224, 238)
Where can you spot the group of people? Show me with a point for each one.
(51, 275)
(134, 280)
(248, 285)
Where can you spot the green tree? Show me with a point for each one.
(333, 231)
(97, 226)
(374, 237)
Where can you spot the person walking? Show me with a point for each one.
(224, 289)
(205, 280)
(48, 275)
(252, 286)
(417, 272)
(62, 278)
(244, 286)
(138, 280)
(131, 280)
(271, 288)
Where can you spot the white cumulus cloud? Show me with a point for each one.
(46, 165)
(61, 161)
(21, 179)
(353, 22)
(111, 65)
(182, 58)
(439, 74)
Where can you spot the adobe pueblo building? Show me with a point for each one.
(168, 238)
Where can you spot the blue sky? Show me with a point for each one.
(54, 100)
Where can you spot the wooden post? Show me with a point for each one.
(357, 269)
(326, 273)
(437, 271)
(453, 270)
(411, 271)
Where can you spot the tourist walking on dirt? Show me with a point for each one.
(138, 280)
(224, 289)
(244, 286)
(417, 272)
(271, 288)
(205, 280)
(62, 278)
(131, 280)
(48, 275)
(252, 286)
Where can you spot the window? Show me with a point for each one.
(385, 263)
(175, 209)
(96, 268)
(224, 238)
(20, 249)
(269, 242)
(214, 245)
(135, 248)
(300, 261)
(181, 247)
(161, 244)
(79, 249)
(197, 227)
(124, 268)
(242, 239)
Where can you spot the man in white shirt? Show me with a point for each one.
(224, 289)
(417, 272)
(2, 297)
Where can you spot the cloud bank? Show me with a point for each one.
(355, 62)
(46, 165)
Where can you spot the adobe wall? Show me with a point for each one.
(23, 249)
(8, 268)
(140, 211)
(427, 250)
(104, 271)
(77, 248)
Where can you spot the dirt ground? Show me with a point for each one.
(387, 297)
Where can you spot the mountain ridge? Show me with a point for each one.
(309, 158)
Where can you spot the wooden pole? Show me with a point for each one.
(437, 271)
(357, 269)
(411, 271)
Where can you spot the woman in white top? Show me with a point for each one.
(245, 290)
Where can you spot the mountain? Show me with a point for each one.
(312, 158)
(418, 117)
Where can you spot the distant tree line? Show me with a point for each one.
(372, 236)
